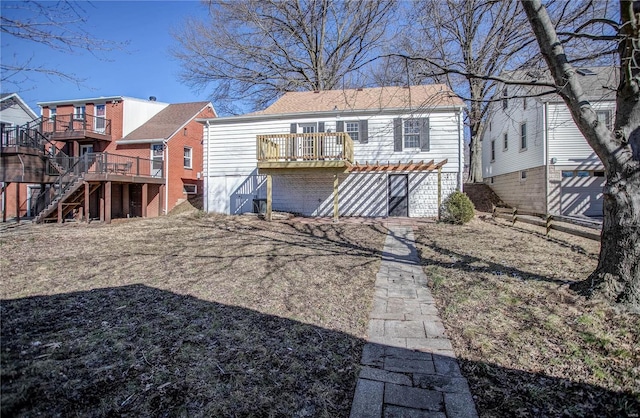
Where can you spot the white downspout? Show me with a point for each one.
(205, 147)
(165, 145)
(460, 151)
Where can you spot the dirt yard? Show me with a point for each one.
(194, 315)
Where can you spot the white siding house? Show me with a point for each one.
(361, 152)
(556, 172)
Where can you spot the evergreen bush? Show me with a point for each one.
(457, 209)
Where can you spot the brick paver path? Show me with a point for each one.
(409, 368)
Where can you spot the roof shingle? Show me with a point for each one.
(378, 98)
(164, 124)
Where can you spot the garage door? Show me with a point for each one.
(581, 193)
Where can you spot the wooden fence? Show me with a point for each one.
(549, 222)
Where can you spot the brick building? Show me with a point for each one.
(107, 157)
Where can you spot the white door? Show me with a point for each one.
(307, 144)
(157, 158)
(101, 121)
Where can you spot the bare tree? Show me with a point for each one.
(252, 51)
(618, 273)
(469, 44)
(57, 25)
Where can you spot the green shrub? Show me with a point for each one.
(457, 209)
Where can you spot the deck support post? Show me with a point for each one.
(145, 199)
(4, 201)
(60, 209)
(439, 190)
(18, 202)
(107, 202)
(269, 197)
(102, 202)
(87, 192)
(335, 197)
(125, 200)
(161, 191)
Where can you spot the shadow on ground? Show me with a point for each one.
(140, 351)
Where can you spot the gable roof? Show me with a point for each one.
(599, 83)
(166, 122)
(15, 97)
(378, 98)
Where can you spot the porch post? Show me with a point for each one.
(76, 149)
(269, 196)
(335, 198)
(87, 191)
(107, 202)
(17, 202)
(161, 200)
(60, 208)
(439, 190)
(4, 201)
(102, 202)
(125, 200)
(145, 199)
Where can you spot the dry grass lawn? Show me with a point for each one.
(528, 344)
(193, 315)
(185, 315)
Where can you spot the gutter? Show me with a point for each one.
(327, 114)
(139, 141)
(460, 151)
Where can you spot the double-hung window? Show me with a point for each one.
(505, 142)
(352, 128)
(604, 116)
(493, 150)
(187, 157)
(79, 112)
(523, 136)
(411, 134)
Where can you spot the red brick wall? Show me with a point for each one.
(192, 138)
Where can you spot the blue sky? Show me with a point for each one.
(141, 69)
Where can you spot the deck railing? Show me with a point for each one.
(68, 124)
(319, 146)
(106, 163)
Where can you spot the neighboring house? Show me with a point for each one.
(108, 157)
(13, 112)
(375, 152)
(533, 155)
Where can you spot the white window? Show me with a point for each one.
(352, 128)
(505, 100)
(523, 136)
(79, 112)
(604, 116)
(411, 133)
(493, 150)
(190, 188)
(187, 157)
(506, 142)
(53, 112)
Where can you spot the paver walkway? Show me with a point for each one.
(409, 368)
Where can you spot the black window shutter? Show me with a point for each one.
(320, 126)
(294, 128)
(424, 134)
(340, 126)
(397, 135)
(364, 131)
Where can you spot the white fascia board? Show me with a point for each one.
(81, 101)
(330, 114)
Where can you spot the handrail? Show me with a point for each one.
(305, 146)
(72, 123)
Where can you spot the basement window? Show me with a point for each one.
(523, 175)
(190, 188)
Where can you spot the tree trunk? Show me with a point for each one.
(617, 276)
(475, 160)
